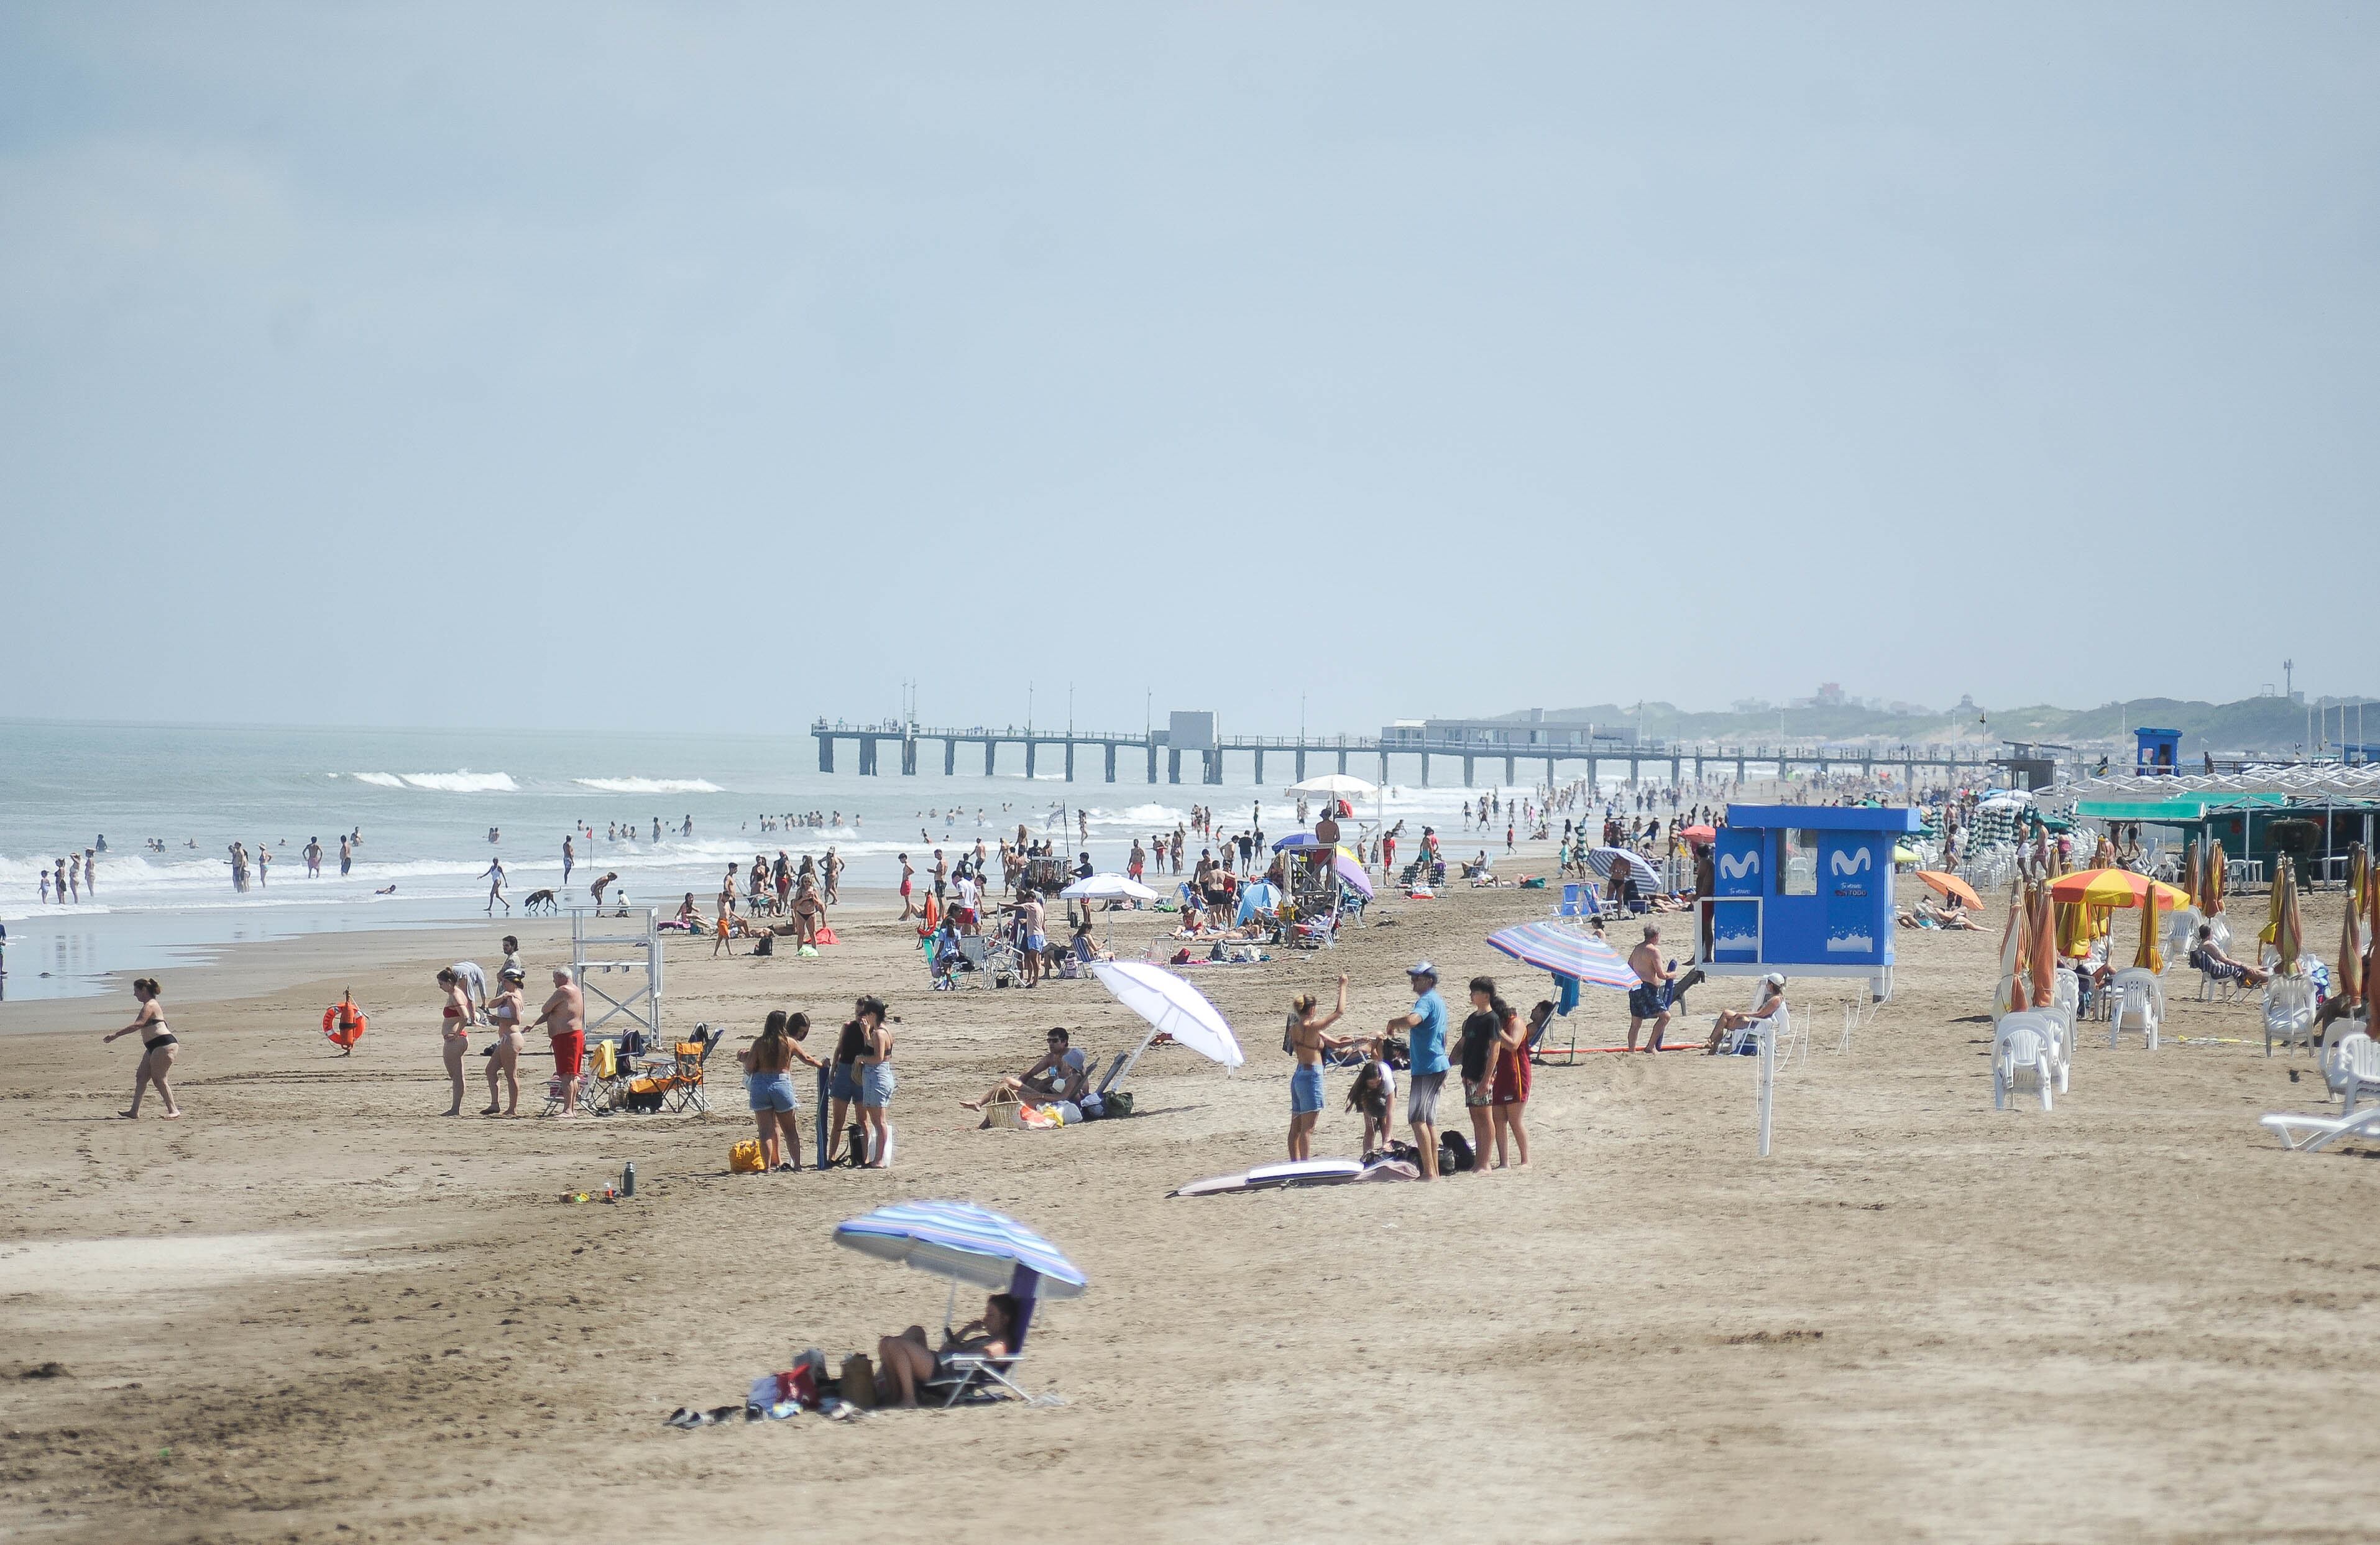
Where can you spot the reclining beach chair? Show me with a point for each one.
(2289, 1013)
(969, 1378)
(2305, 1134)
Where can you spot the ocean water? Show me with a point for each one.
(425, 802)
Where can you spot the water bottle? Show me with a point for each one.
(628, 1179)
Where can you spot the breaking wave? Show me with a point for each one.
(650, 786)
(465, 782)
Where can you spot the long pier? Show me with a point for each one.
(1146, 750)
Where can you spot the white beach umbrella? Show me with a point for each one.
(1108, 887)
(1173, 1007)
(1337, 784)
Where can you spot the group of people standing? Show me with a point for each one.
(469, 1007)
(77, 872)
(859, 1078)
(1491, 1053)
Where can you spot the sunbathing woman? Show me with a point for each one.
(2208, 956)
(157, 1045)
(904, 1362)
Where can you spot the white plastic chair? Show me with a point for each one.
(2137, 1009)
(2289, 1013)
(2214, 989)
(2140, 974)
(2353, 1069)
(2022, 1045)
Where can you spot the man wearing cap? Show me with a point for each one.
(1772, 998)
(1425, 1029)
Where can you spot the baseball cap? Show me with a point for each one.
(1421, 969)
(1775, 979)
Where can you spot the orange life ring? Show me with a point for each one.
(344, 1023)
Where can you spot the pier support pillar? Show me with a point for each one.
(1590, 777)
(1259, 767)
(1677, 770)
(1425, 770)
(1549, 775)
(1032, 747)
(908, 757)
(1112, 761)
(1152, 761)
(1215, 766)
(1301, 762)
(1070, 759)
(1172, 765)
(950, 758)
(826, 753)
(1466, 771)
(1510, 777)
(868, 755)
(1342, 759)
(991, 752)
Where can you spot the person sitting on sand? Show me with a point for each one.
(2208, 956)
(904, 1362)
(1061, 1074)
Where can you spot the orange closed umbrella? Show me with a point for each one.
(2012, 944)
(2045, 946)
(2147, 957)
(2211, 894)
(1949, 887)
(2348, 980)
(2289, 925)
(2190, 881)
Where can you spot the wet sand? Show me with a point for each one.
(313, 1304)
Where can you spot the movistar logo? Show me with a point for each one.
(1735, 866)
(1855, 862)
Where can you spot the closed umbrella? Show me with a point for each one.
(1171, 1007)
(2348, 980)
(2074, 933)
(2010, 997)
(2190, 876)
(2045, 946)
(2289, 925)
(2372, 928)
(2210, 895)
(2146, 957)
(965, 1242)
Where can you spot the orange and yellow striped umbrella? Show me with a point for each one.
(2115, 887)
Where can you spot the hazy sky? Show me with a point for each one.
(689, 366)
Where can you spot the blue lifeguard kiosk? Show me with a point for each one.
(1806, 890)
(2156, 753)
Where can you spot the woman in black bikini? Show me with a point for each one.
(157, 1044)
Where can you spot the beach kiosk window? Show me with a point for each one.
(1797, 862)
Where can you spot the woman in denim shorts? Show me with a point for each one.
(842, 1088)
(769, 1077)
(875, 1064)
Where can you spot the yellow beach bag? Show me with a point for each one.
(744, 1158)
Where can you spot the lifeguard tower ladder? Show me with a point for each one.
(641, 998)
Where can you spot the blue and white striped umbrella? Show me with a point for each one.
(1565, 951)
(961, 1240)
(1602, 859)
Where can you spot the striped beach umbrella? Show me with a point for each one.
(960, 1240)
(2113, 887)
(1566, 951)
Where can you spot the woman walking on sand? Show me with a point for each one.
(454, 1033)
(875, 1080)
(504, 1061)
(494, 875)
(157, 1044)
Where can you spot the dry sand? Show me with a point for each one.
(314, 1309)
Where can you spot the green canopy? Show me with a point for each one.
(2179, 812)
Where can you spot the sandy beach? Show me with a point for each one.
(314, 1309)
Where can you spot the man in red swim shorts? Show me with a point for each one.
(565, 1019)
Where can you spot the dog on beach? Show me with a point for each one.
(540, 899)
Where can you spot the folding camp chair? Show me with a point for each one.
(969, 1378)
(686, 1088)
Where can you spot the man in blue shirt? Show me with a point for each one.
(1425, 1029)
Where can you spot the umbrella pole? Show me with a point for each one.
(1131, 1061)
